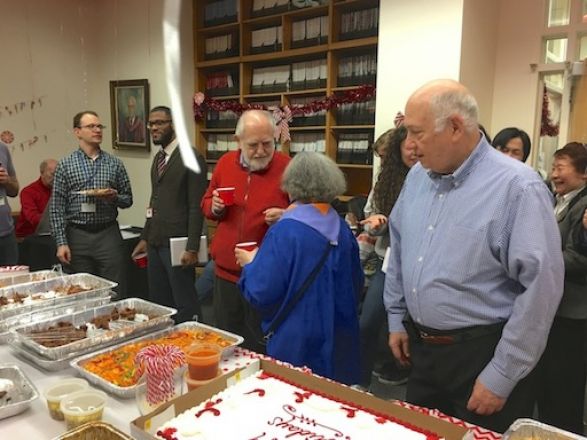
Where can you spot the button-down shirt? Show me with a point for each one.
(477, 247)
(79, 172)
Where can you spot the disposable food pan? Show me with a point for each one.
(119, 329)
(121, 355)
(20, 396)
(524, 429)
(30, 277)
(63, 363)
(94, 431)
(38, 295)
(42, 315)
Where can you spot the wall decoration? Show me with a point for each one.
(129, 108)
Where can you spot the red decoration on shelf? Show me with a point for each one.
(283, 115)
(547, 127)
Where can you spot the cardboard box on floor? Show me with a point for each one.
(143, 427)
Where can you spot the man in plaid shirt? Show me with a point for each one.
(89, 187)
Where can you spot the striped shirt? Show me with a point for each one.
(477, 247)
(79, 172)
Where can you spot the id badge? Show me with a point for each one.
(88, 207)
(149, 213)
(2, 201)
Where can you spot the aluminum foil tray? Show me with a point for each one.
(63, 363)
(50, 312)
(524, 429)
(30, 277)
(120, 330)
(94, 431)
(21, 396)
(38, 292)
(129, 392)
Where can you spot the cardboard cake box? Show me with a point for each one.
(143, 428)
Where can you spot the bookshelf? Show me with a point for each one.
(275, 53)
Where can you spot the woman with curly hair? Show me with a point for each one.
(396, 161)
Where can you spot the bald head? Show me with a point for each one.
(441, 119)
(447, 98)
(47, 169)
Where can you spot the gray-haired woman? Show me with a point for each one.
(322, 330)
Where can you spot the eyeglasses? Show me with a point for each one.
(158, 123)
(93, 127)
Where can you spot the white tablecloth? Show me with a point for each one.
(36, 424)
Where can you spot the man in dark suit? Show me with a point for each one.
(174, 211)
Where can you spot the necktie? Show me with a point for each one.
(160, 162)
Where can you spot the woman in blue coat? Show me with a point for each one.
(322, 330)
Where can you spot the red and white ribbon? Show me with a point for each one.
(283, 117)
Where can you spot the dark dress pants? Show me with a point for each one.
(443, 376)
(8, 250)
(100, 253)
(172, 286)
(234, 314)
(561, 376)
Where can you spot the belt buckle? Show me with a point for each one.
(437, 339)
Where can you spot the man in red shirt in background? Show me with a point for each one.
(34, 199)
(255, 171)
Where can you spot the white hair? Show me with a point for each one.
(451, 102)
(240, 125)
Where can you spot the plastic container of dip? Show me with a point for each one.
(203, 361)
(82, 407)
(56, 392)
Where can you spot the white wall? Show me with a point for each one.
(478, 52)
(67, 51)
(419, 40)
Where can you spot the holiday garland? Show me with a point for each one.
(547, 127)
(283, 114)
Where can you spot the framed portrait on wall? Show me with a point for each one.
(129, 108)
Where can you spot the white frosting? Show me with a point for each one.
(268, 408)
(139, 317)
(6, 385)
(91, 330)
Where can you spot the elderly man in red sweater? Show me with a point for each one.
(255, 171)
(34, 199)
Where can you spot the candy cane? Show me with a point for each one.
(158, 363)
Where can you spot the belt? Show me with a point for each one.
(92, 228)
(448, 337)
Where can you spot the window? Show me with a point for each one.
(556, 50)
(559, 12)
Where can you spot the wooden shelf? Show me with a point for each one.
(330, 50)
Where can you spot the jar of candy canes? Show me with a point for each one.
(161, 369)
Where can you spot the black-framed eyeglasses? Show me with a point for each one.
(158, 123)
(93, 126)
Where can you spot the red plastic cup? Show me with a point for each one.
(141, 260)
(227, 195)
(247, 245)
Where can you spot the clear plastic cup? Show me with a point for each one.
(56, 392)
(82, 407)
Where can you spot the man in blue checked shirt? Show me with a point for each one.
(89, 187)
(476, 269)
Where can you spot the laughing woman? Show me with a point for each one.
(306, 277)
(562, 369)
